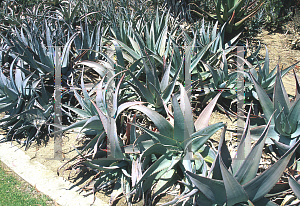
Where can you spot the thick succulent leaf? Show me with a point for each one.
(285, 71)
(66, 50)
(144, 91)
(208, 154)
(199, 138)
(13, 95)
(110, 127)
(180, 129)
(111, 95)
(143, 142)
(95, 144)
(280, 97)
(134, 44)
(165, 182)
(225, 66)
(257, 131)
(165, 79)
(97, 67)
(297, 93)
(188, 55)
(282, 125)
(25, 82)
(262, 184)
(6, 107)
(45, 95)
(158, 100)
(186, 109)
(164, 127)
(92, 123)
(115, 97)
(214, 190)
(203, 119)
(178, 55)
(12, 81)
(169, 89)
(249, 167)
(126, 105)
(152, 179)
(293, 116)
(114, 140)
(132, 135)
(166, 141)
(283, 147)
(295, 186)
(154, 149)
(217, 78)
(120, 59)
(200, 54)
(244, 147)
(203, 200)
(133, 66)
(265, 202)
(264, 100)
(77, 111)
(99, 95)
(84, 91)
(266, 64)
(224, 153)
(82, 102)
(134, 54)
(161, 164)
(79, 125)
(161, 43)
(234, 191)
(4, 81)
(136, 171)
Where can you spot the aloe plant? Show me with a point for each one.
(221, 78)
(235, 181)
(295, 186)
(284, 124)
(235, 12)
(152, 158)
(207, 33)
(264, 76)
(27, 105)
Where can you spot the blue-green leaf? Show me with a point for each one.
(249, 167)
(234, 191)
(264, 100)
(180, 132)
(214, 190)
(203, 119)
(262, 184)
(164, 127)
(295, 186)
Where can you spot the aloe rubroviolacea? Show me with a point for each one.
(235, 181)
(284, 124)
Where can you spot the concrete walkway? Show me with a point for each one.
(46, 181)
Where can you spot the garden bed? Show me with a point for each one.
(278, 45)
(124, 82)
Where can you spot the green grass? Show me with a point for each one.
(15, 191)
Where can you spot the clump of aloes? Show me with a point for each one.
(235, 12)
(284, 124)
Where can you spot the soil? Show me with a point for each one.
(278, 44)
